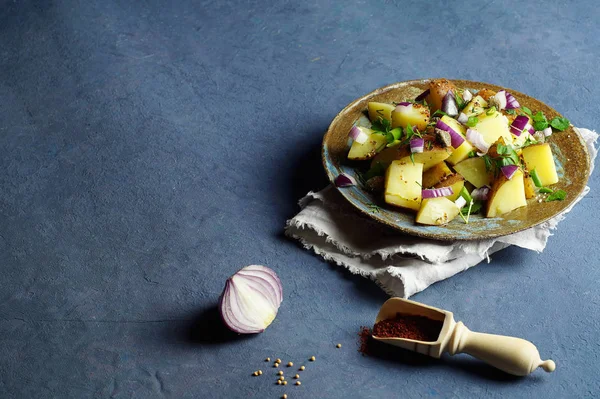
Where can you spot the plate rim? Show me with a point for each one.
(431, 235)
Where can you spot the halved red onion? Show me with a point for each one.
(344, 180)
(437, 192)
(511, 101)
(457, 138)
(358, 135)
(449, 105)
(500, 99)
(462, 118)
(481, 193)
(467, 96)
(460, 202)
(422, 96)
(519, 124)
(417, 145)
(509, 170)
(251, 299)
(477, 140)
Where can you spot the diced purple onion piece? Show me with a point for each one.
(358, 135)
(437, 192)
(417, 145)
(460, 202)
(467, 96)
(547, 131)
(477, 140)
(449, 105)
(481, 193)
(462, 118)
(519, 124)
(511, 101)
(422, 96)
(344, 180)
(509, 170)
(457, 138)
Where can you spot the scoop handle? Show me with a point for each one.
(512, 355)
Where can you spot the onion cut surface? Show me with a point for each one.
(251, 299)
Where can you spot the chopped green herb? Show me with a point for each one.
(535, 178)
(412, 157)
(410, 133)
(472, 154)
(472, 121)
(539, 121)
(374, 208)
(420, 185)
(460, 103)
(491, 110)
(381, 126)
(527, 111)
(475, 208)
(560, 124)
(558, 195)
(429, 144)
(546, 190)
(378, 169)
(439, 112)
(489, 164)
(465, 194)
(510, 111)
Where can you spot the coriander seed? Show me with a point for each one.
(298, 383)
(280, 372)
(268, 359)
(259, 372)
(338, 346)
(312, 359)
(255, 373)
(284, 382)
(284, 396)
(302, 368)
(278, 382)
(277, 360)
(290, 364)
(296, 376)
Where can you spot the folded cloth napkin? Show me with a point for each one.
(400, 264)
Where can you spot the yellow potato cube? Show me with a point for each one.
(380, 110)
(473, 170)
(415, 115)
(492, 127)
(437, 211)
(539, 157)
(462, 152)
(368, 149)
(506, 195)
(434, 175)
(403, 184)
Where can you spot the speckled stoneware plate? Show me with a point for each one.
(570, 155)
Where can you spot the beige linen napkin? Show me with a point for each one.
(400, 264)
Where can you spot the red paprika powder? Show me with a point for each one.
(419, 328)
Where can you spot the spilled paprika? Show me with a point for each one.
(415, 327)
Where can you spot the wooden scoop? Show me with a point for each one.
(512, 355)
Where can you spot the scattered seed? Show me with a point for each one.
(284, 382)
(302, 368)
(296, 376)
(278, 382)
(298, 383)
(290, 364)
(276, 364)
(255, 373)
(268, 359)
(259, 372)
(277, 360)
(284, 396)
(312, 359)
(281, 378)
(338, 346)
(280, 372)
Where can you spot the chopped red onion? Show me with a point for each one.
(500, 99)
(481, 193)
(519, 124)
(460, 202)
(462, 118)
(437, 192)
(422, 96)
(511, 101)
(449, 105)
(457, 138)
(467, 96)
(358, 135)
(509, 170)
(477, 140)
(547, 131)
(417, 145)
(344, 180)
(251, 299)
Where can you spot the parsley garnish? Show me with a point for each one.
(527, 111)
(489, 164)
(381, 126)
(558, 195)
(539, 121)
(412, 157)
(374, 208)
(560, 124)
(439, 112)
(546, 190)
(472, 154)
(460, 103)
(472, 121)
(510, 111)
(378, 169)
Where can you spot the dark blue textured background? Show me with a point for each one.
(148, 150)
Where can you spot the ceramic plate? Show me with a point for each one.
(570, 155)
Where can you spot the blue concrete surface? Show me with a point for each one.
(150, 149)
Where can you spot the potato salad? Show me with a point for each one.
(454, 152)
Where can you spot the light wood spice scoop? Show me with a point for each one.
(512, 355)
